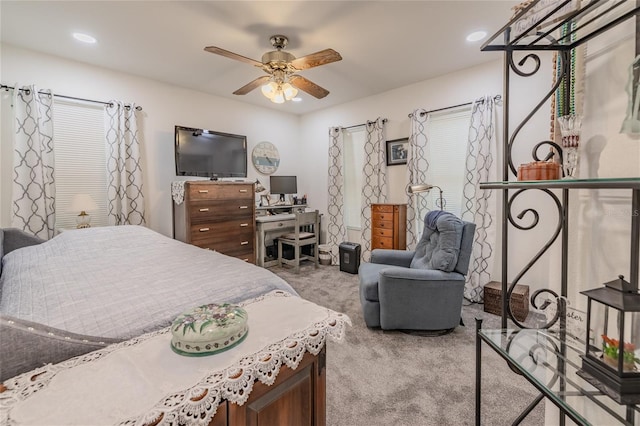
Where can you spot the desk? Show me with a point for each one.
(274, 225)
(277, 224)
(550, 361)
(280, 209)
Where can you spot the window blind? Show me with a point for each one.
(80, 160)
(448, 133)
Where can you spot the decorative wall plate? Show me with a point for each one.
(266, 158)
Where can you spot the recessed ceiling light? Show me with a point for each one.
(296, 99)
(476, 36)
(85, 38)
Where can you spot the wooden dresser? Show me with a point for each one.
(219, 216)
(389, 226)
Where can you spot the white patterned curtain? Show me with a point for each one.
(124, 169)
(336, 231)
(417, 167)
(34, 189)
(478, 206)
(374, 180)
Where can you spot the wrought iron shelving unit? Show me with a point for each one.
(560, 26)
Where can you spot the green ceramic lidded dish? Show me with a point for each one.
(209, 329)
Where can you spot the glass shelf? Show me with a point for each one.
(611, 183)
(539, 26)
(550, 360)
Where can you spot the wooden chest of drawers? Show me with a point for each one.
(389, 226)
(219, 216)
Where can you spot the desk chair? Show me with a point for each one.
(307, 232)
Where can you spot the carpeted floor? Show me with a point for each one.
(385, 378)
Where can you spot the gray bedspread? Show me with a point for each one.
(120, 282)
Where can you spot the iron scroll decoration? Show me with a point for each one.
(543, 298)
(565, 71)
(536, 218)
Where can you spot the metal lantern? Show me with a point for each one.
(611, 363)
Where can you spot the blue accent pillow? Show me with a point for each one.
(439, 248)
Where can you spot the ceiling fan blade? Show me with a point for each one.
(322, 57)
(231, 55)
(308, 86)
(250, 86)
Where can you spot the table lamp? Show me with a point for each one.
(82, 203)
(425, 187)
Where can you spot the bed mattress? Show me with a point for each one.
(120, 282)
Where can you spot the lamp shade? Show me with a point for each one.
(83, 203)
(421, 187)
(424, 187)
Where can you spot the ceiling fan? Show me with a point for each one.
(282, 81)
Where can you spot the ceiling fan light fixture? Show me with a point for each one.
(270, 89)
(290, 92)
(281, 67)
(278, 98)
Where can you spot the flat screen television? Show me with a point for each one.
(211, 154)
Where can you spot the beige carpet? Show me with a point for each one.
(391, 378)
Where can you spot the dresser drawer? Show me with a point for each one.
(221, 210)
(382, 232)
(232, 247)
(382, 208)
(381, 242)
(383, 224)
(236, 231)
(381, 217)
(203, 191)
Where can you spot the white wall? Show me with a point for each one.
(395, 105)
(164, 106)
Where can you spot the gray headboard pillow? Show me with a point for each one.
(12, 239)
(439, 246)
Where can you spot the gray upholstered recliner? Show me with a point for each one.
(421, 289)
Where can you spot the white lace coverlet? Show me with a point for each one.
(142, 380)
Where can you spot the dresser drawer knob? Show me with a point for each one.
(204, 210)
(203, 229)
(244, 207)
(243, 190)
(244, 243)
(242, 225)
(203, 191)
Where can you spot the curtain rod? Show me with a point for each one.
(109, 104)
(384, 120)
(423, 113)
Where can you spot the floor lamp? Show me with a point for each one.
(425, 187)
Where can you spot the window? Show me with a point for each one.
(448, 134)
(80, 160)
(354, 140)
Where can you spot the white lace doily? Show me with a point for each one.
(177, 191)
(39, 394)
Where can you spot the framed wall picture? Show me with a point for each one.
(397, 151)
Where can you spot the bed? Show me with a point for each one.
(85, 290)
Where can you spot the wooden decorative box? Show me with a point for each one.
(519, 300)
(539, 170)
